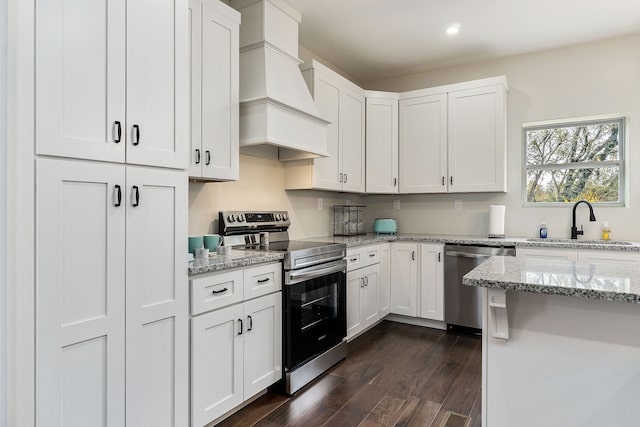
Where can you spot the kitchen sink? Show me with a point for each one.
(586, 242)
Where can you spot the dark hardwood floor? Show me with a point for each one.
(395, 375)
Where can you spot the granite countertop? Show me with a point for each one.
(371, 238)
(237, 258)
(603, 281)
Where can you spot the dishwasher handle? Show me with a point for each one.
(466, 255)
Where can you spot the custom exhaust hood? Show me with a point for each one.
(278, 117)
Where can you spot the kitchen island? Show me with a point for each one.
(560, 342)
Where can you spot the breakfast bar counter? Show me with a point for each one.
(561, 342)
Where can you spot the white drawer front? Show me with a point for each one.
(354, 259)
(216, 290)
(262, 280)
(371, 255)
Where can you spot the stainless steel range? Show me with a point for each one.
(314, 295)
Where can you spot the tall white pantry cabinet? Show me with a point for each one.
(111, 145)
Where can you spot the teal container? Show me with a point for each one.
(195, 242)
(212, 241)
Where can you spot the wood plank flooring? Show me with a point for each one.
(394, 375)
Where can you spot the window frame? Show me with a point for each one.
(579, 121)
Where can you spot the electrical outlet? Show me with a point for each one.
(457, 205)
(396, 204)
(320, 204)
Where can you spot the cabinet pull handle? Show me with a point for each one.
(345, 178)
(265, 280)
(366, 280)
(439, 256)
(451, 180)
(443, 178)
(118, 195)
(353, 259)
(197, 156)
(372, 255)
(240, 332)
(208, 153)
(117, 130)
(395, 181)
(340, 179)
(250, 323)
(136, 203)
(413, 255)
(136, 134)
(220, 291)
(362, 282)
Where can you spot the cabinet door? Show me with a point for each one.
(404, 273)
(423, 144)
(382, 145)
(326, 171)
(384, 284)
(352, 139)
(355, 283)
(80, 79)
(262, 343)
(80, 294)
(220, 94)
(157, 298)
(370, 294)
(431, 282)
(477, 140)
(617, 257)
(195, 73)
(548, 253)
(216, 363)
(157, 83)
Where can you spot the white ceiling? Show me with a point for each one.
(377, 39)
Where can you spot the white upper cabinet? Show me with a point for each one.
(214, 51)
(477, 140)
(453, 138)
(343, 104)
(382, 142)
(423, 144)
(94, 62)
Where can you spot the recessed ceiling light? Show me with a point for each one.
(453, 29)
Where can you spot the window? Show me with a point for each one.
(573, 160)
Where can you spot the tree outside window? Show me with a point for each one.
(574, 160)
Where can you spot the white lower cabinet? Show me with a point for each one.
(236, 350)
(368, 274)
(384, 284)
(404, 278)
(417, 284)
(431, 281)
(111, 237)
(362, 299)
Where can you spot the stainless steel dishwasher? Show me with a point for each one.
(463, 304)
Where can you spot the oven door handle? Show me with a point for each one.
(315, 272)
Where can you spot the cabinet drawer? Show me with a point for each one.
(354, 258)
(262, 280)
(362, 257)
(215, 291)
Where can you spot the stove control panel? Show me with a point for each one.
(235, 222)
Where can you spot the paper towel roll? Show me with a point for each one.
(496, 220)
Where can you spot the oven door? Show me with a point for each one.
(315, 311)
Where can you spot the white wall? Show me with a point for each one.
(261, 187)
(584, 80)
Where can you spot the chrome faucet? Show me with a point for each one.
(574, 230)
